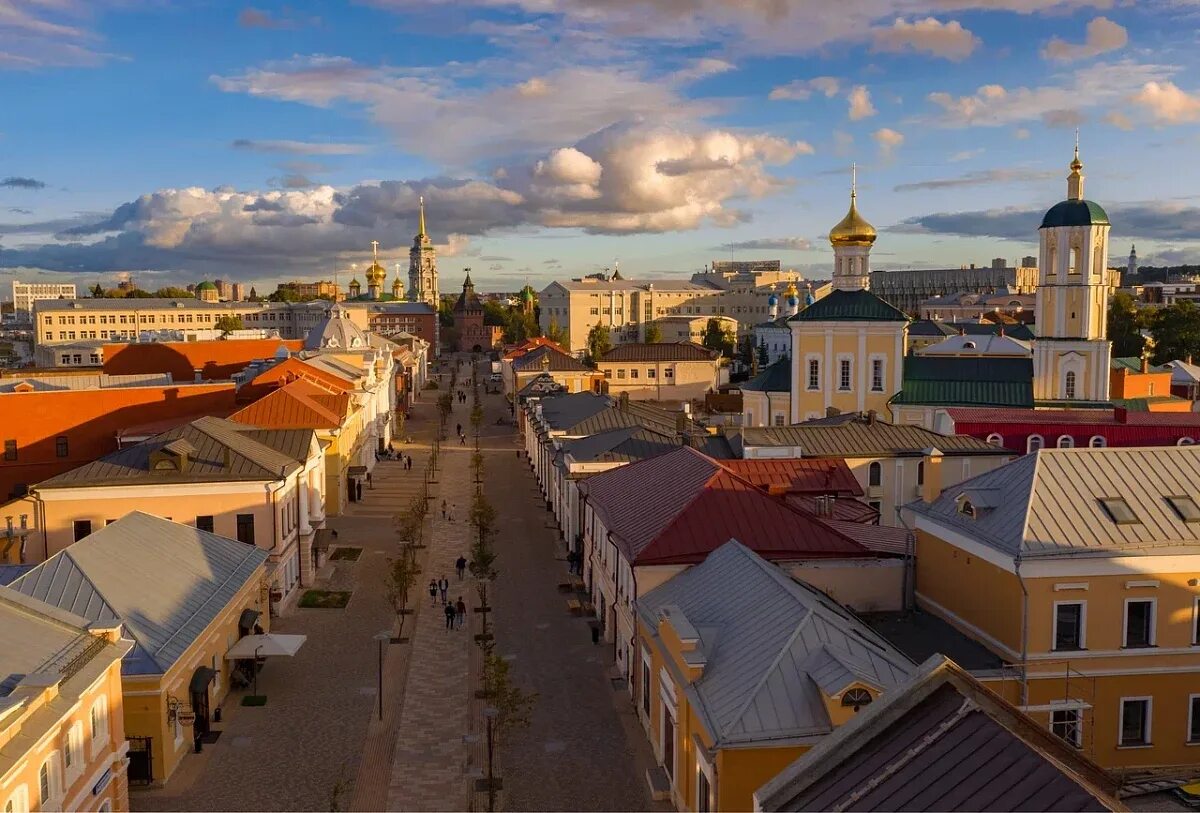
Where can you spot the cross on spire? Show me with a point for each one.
(853, 180)
(375, 249)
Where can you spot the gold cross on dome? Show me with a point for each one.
(375, 249)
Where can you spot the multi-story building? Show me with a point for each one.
(321, 289)
(909, 289)
(676, 371)
(26, 293)
(1077, 568)
(62, 321)
(62, 733)
(387, 318)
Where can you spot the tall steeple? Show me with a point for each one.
(1075, 179)
(421, 216)
(422, 263)
(1132, 268)
(852, 239)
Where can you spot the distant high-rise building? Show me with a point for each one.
(222, 289)
(422, 265)
(237, 292)
(1029, 262)
(26, 293)
(999, 262)
(1132, 268)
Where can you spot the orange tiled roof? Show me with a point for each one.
(532, 344)
(300, 404)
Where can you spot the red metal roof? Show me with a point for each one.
(215, 360)
(798, 475)
(844, 509)
(678, 507)
(1091, 417)
(300, 404)
(1118, 427)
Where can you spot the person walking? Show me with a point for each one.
(462, 440)
(450, 613)
(433, 591)
(458, 428)
(443, 509)
(460, 612)
(443, 587)
(461, 566)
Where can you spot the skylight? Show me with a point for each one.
(1119, 511)
(1185, 508)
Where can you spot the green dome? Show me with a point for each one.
(1075, 213)
(206, 286)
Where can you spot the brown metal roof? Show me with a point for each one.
(659, 351)
(862, 437)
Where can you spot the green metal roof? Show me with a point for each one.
(205, 286)
(850, 306)
(1075, 213)
(971, 381)
(1134, 365)
(776, 378)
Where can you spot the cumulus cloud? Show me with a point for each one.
(931, 36)
(1168, 104)
(20, 182)
(888, 140)
(801, 89)
(983, 177)
(1167, 221)
(860, 103)
(299, 147)
(1102, 36)
(770, 244)
(703, 68)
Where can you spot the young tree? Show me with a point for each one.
(653, 334)
(763, 358)
(1124, 322)
(718, 338)
(599, 341)
(227, 324)
(402, 575)
(557, 334)
(514, 704)
(172, 292)
(1176, 330)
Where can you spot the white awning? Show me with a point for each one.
(262, 646)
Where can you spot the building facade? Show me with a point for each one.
(422, 265)
(473, 335)
(678, 371)
(24, 294)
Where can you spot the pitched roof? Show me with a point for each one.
(224, 451)
(967, 381)
(299, 404)
(555, 360)
(1183, 372)
(930, 327)
(563, 411)
(798, 475)
(659, 351)
(764, 636)
(542, 384)
(1133, 364)
(105, 577)
(699, 504)
(624, 445)
(850, 306)
(859, 437)
(989, 344)
(776, 378)
(214, 359)
(942, 741)
(93, 381)
(1050, 502)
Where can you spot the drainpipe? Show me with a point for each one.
(1024, 633)
(908, 586)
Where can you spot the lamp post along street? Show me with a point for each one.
(491, 713)
(381, 637)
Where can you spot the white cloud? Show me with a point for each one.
(770, 244)
(1169, 104)
(800, 89)
(1119, 120)
(928, 36)
(300, 147)
(860, 103)
(702, 68)
(965, 155)
(1102, 36)
(41, 33)
(888, 140)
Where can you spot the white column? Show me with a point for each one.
(302, 500)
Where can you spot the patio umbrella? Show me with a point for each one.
(262, 646)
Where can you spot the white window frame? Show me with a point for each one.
(1070, 383)
(1078, 741)
(1029, 448)
(74, 751)
(1149, 700)
(1065, 442)
(98, 718)
(1097, 442)
(882, 362)
(810, 360)
(703, 768)
(52, 763)
(1196, 621)
(1192, 698)
(995, 439)
(1153, 623)
(668, 707)
(845, 362)
(1082, 626)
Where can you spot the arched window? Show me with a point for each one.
(1065, 441)
(1069, 384)
(921, 473)
(875, 474)
(19, 801)
(48, 781)
(1185, 442)
(1097, 442)
(995, 439)
(1034, 443)
(856, 699)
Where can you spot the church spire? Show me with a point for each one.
(421, 217)
(1075, 179)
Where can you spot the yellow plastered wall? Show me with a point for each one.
(741, 771)
(830, 344)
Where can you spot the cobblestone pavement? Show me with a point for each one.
(584, 748)
(305, 746)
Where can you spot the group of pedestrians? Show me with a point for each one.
(405, 460)
(455, 611)
(448, 514)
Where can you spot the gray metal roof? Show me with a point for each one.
(165, 581)
(35, 638)
(1048, 503)
(47, 383)
(941, 742)
(222, 451)
(624, 445)
(857, 436)
(564, 411)
(766, 639)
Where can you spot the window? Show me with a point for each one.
(1068, 625)
(82, 527)
(652, 373)
(1073, 268)
(1185, 442)
(1135, 721)
(245, 528)
(875, 474)
(1119, 511)
(633, 373)
(1069, 385)
(1139, 622)
(1065, 441)
(876, 375)
(995, 440)
(10, 450)
(703, 792)
(1068, 725)
(621, 373)
(1034, 443)
(843, 375)
(856, 698)
(19, 801)
(921, 473)
(45, 783)
(205, 523)
(74, 753)
(1185, 508)
(99, 719)
(60, 446)
(814, 374)
(1194, 718)
(779, 420)
(1097, 442)
(669, 372)
(645, 684)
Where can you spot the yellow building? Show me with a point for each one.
(677, 371)
(184, 596)
(742, 669)
(1079, 568)
(62, 737)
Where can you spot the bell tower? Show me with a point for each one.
(422, 265)
(852, 239)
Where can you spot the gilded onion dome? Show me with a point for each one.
(854, 230)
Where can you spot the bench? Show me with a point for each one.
(574, 605)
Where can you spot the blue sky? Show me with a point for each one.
(182, 140)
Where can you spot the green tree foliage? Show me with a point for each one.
(514, 704)
(446, 313)
(172, 292)
(1176, 330)
(1124, 323)
(229, 323)
(494, 313)
(599, 341)
(763, 357)
(718, 338)
(98, 291)
(401, 576)
(557, 334)
(653, 334)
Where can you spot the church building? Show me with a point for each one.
(376, 280)
(422, 265)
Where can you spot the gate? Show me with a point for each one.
(141, 761)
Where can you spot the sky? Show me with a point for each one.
(188, 139)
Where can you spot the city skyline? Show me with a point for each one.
(301, 133)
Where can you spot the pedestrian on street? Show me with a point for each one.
(570, 561)
(444, 587)
(450, 514)
(460, 612)
(461, 566)
(443, 509)
(450, 613)
(462, 440)
(433, 591)
(458, 428)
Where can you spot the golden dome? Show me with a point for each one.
(376, 273)
(791, 290)
(854, 230)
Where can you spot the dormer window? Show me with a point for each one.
(1119, 511)
(856, 699)
(1185, 508)
(967, 509)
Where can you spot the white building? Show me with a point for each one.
(26, 293)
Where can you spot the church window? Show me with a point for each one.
(876, 375)
(995, 440)
(1076, 260)
(814, 374)
(1069, 384)
(1066, 442)
(844, 375)
(1034, 443)
(875, 475)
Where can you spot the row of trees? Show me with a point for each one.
(1174, 328)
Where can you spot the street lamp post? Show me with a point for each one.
(256, 651)
(490, 714)
(381, 637)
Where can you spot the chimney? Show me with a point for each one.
(623, 402)
(681, 422)
(1145, 363)
(832, 411)
(199, 374)
(872, 416)
(931, 484)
